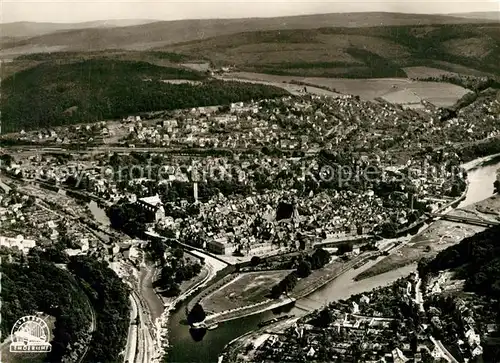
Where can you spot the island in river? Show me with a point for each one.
(184, 348)
(380, 322)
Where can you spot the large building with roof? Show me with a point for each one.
(153, 207)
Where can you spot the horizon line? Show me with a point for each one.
(154, 20)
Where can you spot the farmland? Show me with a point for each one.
(372, 62)
(354, 52)
(398, 90)
(21, 37)
(426, 72)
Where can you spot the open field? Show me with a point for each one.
(439, 94)
(202, 276)
(406, 91)
(199, 67)
(362, 45)
(457, 68)
(318, 278)
(257, 301)
(398, 90)
(441, 235)
(426, 72)
(478, 15)
(246, 289)
(294, 89)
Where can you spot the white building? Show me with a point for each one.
(472, 338)
(398, 356)
(24, 245)
(355, 308)
(311, 353)
(73, 252)
(364, 300)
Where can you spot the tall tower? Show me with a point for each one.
(195, 191)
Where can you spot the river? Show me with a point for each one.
(185, 348)
(98, 213)
(481, 179)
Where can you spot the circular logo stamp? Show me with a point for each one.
(30, 334)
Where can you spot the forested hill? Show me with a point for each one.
(53, 94)
(71, 295)
(477, 260)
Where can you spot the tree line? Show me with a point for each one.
(305, 266)
(110, 298)
(53, 94)
(34, 283)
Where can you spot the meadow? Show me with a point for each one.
(245, 289)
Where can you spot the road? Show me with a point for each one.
(5, 187)
(160, 312)
(466, 220)
(140, 346)
(213, 265)
(419, 297)
(444, 351)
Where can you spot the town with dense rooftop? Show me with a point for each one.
(177, 209)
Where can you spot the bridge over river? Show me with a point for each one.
(466, 220)
(309, 303)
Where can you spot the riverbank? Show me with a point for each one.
(304, 288)
(340, 288)
(479, 203)
(211, 267)
(187, 348)
(233, 348)
(248, 311)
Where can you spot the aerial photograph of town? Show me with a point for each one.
(250, 182)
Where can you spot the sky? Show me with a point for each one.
(71, 11)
